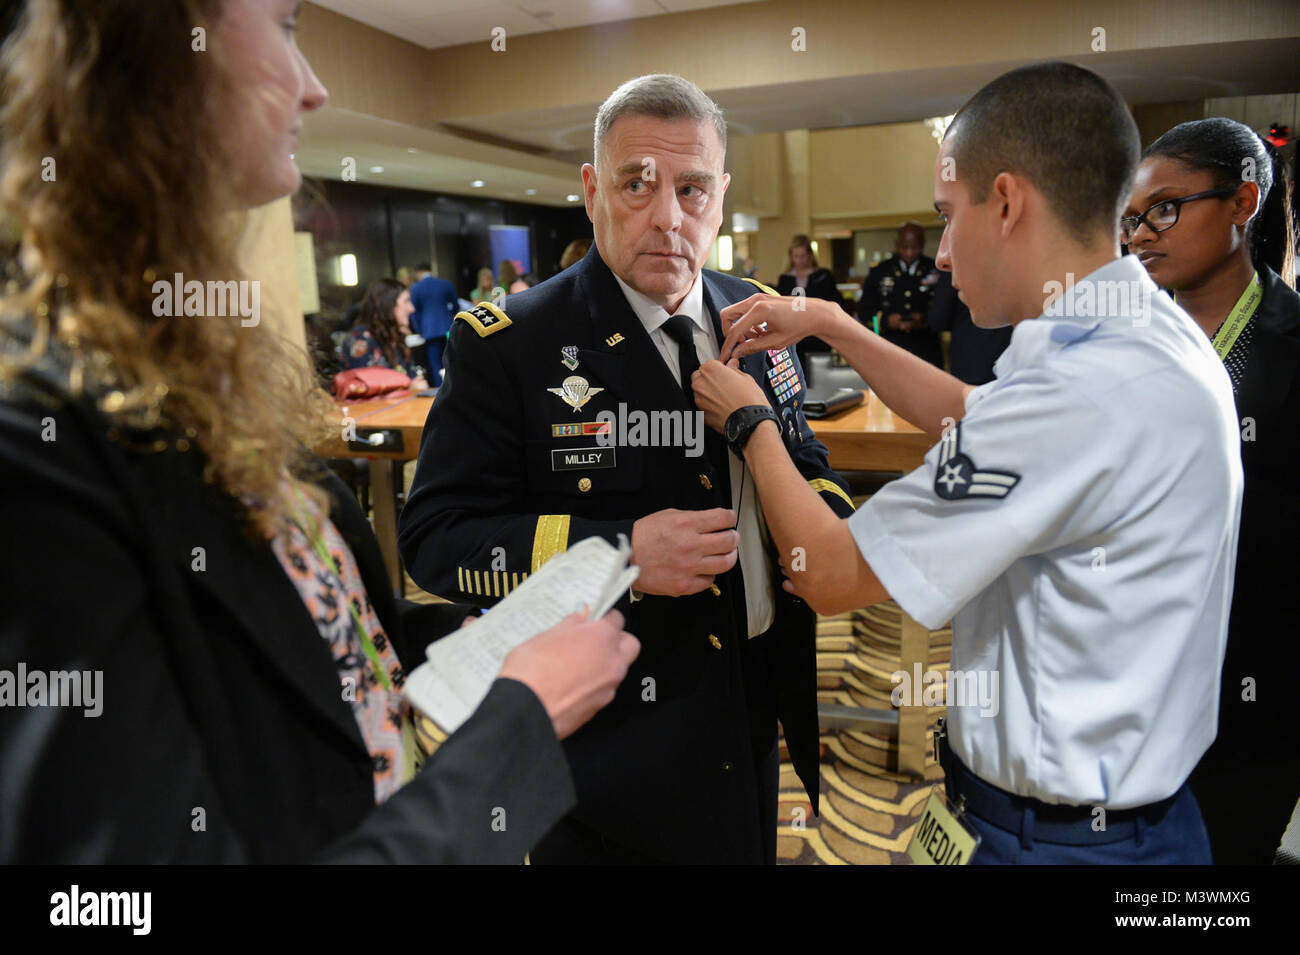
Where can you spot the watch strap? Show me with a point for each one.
(747, 419)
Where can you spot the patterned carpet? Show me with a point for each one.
(867, 810)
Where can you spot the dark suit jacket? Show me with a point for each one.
(973, 350)
(219, 694)
(673, 778)
(821, 284)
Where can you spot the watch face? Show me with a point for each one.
(731, 430)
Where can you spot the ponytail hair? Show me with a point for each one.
(1234, 153)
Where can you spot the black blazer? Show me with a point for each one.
(494, 496)
(223, 734)
(821, 284)
(1263, 643)
(973, 351)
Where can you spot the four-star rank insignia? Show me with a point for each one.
(485, 318)
(575, 391)
(957, 476)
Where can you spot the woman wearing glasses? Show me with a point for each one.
(1210, 219)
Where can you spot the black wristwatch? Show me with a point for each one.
(742, 422)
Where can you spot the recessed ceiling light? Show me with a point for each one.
(530, 192)
(572, 197)
(410, 149)
(376, 168)
(477, 183)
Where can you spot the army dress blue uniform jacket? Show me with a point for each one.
(890, 288)
(675, 777)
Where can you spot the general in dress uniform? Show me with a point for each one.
(514, 468)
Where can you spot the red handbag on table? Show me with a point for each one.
(368, 383)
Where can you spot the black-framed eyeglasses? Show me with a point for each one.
(1164, 214)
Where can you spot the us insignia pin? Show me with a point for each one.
(575, 391)
(614, 339)
(569, 355)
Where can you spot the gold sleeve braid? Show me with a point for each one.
(551, 538)
(428, 736)
(765, 288)
(821, 485)
(488, 583)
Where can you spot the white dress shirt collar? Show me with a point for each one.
(652, 315)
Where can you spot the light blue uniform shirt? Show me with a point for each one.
(1079, 527)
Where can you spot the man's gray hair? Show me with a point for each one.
(661, 96)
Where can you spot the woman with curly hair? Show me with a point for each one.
(232, 663)
(378, 339)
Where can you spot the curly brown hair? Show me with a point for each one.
(111, 97)
(377, 316)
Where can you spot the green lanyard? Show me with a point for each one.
(367, 644)
(1238, 318)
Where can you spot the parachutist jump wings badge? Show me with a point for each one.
(575, 391)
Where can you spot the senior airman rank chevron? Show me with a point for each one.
(957, 475)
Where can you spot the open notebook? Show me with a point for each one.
(461, 666)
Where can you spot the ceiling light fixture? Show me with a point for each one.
(938, 125)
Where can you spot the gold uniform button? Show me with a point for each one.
(727, 767)
(717, 644)
(705, 482)
(584, 485)
(715, 590)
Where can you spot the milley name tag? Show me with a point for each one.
(580, 459)
(940, 838)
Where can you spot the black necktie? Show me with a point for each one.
(681, 330)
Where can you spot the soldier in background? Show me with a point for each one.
(973, 351)
(899, 289)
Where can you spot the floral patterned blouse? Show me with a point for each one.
(362, 350)
(330, 593)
